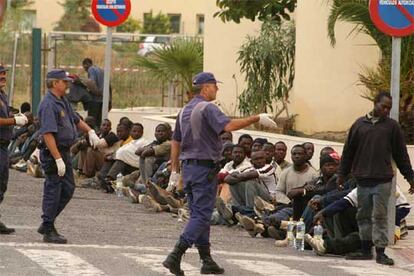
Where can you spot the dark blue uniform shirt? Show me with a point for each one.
(57, 116)
(6, 132)
(198, 128)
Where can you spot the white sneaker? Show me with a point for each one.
(19, 164)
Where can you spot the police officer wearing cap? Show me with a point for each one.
(196, 142)
(6, 128)
(58, 127)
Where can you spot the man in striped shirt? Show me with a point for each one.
(258, 180)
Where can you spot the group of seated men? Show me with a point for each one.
(258, 189)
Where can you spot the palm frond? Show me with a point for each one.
(179, 60)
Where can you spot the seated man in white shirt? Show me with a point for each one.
(258, 180)
(125, 159)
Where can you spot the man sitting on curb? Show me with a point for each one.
(321, 185)
(154, 154)
(295, 176)
(259, 180)
(343, 236)
(238, 164)
(279, 158)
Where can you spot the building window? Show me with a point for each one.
(175, 23)
(28, 20)
(146, 16)
(200, 24)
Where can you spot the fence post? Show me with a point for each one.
(36, 67)
(13, 74)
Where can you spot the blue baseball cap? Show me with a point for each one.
(3, 69)
(58, 74)
(203, 78)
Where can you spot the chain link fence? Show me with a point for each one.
(131, 85)
(22, 79)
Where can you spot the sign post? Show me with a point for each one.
(107, 73)
(394, 18)
(395, 77)
(110, 13)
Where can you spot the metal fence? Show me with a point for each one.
(132, 86)
(19, 79)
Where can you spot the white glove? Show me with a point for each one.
(20, 119)
(93, 138)
(61, 167)
(266, 120)
(172, 183)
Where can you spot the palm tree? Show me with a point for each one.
(378, 78)
(177, 62)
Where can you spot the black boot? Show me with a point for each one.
(364, 254)
(43, 229)
(4, 230)
(173, 261)
(209, 266)
(50, 234)
(382, 258)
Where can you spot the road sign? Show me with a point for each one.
(111, 13)
(393, 17)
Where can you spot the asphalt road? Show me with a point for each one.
(110, 236)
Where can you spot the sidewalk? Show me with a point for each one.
(403, 251)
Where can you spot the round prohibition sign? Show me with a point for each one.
(111, 13)
(397, 21)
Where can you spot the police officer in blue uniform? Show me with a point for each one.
(58, 127)
(6, 128)
(196, 142)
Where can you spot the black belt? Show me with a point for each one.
(4, 143)
(204, 163)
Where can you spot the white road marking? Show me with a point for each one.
(91, 246)
(267, 268)
(166, 249)
(61, 263)
(27, 227)
(154, 262)
(274, 257)
(373, 269)
(354, 267)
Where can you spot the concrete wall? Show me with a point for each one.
(48, 12)
(326, 92)
(222, 41)
(137, 115)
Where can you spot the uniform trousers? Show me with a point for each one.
(57, 191)
(4, 170)
(201, 193)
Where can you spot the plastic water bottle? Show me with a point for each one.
(290, 236)
(318, 231)
(119, 185)
(300, 235)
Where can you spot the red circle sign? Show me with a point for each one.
(395, 19)
(111, 13)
